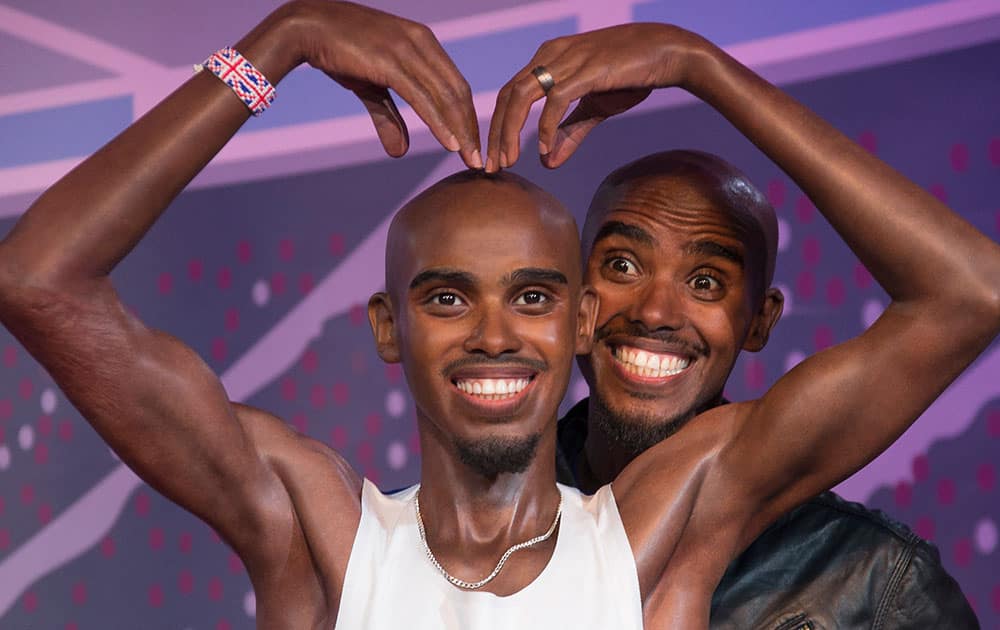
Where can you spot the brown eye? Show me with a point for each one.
(446, 299)
(704, 283)
(531, 297)
(623, 266)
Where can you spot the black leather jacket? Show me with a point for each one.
(826, 564)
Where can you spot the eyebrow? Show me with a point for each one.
(627, 230)
(447, 276)
(714, 248)
(533, 275)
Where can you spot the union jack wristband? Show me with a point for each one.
(243, 79)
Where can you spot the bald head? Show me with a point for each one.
(689, 174)
(453, 212)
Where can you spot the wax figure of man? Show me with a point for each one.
(483, 294)
(680, 248)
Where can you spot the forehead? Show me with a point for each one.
(488, 234)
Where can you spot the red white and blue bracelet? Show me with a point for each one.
(247, 82)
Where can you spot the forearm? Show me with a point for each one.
(906, 237)
(87, 222)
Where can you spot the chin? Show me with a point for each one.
(498, 454)
(637, 426)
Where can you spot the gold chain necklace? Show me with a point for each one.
(474, 585)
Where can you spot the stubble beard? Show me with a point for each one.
(493, 456)
(631, 431)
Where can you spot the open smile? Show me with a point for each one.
(646, 366)
(494, 391)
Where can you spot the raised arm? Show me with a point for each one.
(148, 395)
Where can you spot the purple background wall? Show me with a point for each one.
(264, 264)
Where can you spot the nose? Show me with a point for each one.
(659, 305)
(494, 332)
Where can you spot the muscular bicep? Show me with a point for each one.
(836, 411)
(149, 396)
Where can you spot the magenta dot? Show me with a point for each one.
(232, 319)
(359, 363)
(155, 595)
(30, 601)
(993, 424)
(341, 393)
(317, 396)
(185, 542)
(995, 597)
(925, 528)
(921, 468)
(278, 283)
(805, 285)
(338, 437)
(310, 361)
(25, 388)
(244, 252)
(365, 453)
(215, 589)
(903, 494)
(66, 430)
(811, 251)
(939, 191)
(165, 283)
(9, 356)
(4, 539)
(373, 424)
(994, 151)
(234, 563)
(44, 513)
(142, 504)
(823, 337)
(358, 315)
(414, 443)
(223, 625)
(45, 425)
(156, 538)
(306, 283)
(959, 157)
(776, 193)
(185, 582)
(6, 409)
(41, 453)
(986, 476)
(868, 141)
(835, 292)
(288, 389)
(27, 494)
(946, 492)
(962, 552)
(286, 249)
(373, 474)
(336, 244)
(224, 279)
(196, 269)
(3, 436)
(218, 349)
(300, 422)
(393, 373)
(754, 375)
(79, 593)
(108, 547)
(3, 506)
(804, 209)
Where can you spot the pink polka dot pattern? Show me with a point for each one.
(185, 582)
(393, 373)
(993, 424)
(41, 453)
(223, 625)
(995, 598)
(341, 393)
(155, 595)
(962, 552)
(165, 283)
(986, 476)
(234, 563)
(142, 504)
(108, 547)
(336, 244)
(924, 527)
(946, 491)
(938, 190)
(811, 251)
(244, 252)
(278, 283)
(66, 431)
(232, 319)
(45, 425)
(823, 337)
(338, 437)
(6, 409)
(903, 494)
(9, 356)
(219, 350)
(306, 283)
(373, 424)
(156, 538)
(30, 601)
(754, 374)
(4, 539)
(805, 285)
(921, 468)
(286, 250)
(224, 279)
(358, 315)
(776, 193)
(27, 494)
(288, 389)
(869, 141)
(804, 209)
(185, 542)
(959, 157)
(310, 361)
(835, 292)
(79, 593)
(25, 388)
(317, 396)
(196, 269)
(44, 513)
(994, 151)
(215, 589)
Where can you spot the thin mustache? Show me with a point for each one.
(493, 363)
(640, 331)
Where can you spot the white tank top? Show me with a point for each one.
(589, 582)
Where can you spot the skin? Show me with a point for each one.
(290, 506)
(854, 399)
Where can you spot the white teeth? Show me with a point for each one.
(492, 389)
(648, 364)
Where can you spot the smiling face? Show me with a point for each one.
(679, 274)
(483, 309)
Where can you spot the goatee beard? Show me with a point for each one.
(634, 433)
(494, 456)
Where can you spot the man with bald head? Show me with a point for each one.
(680, 249)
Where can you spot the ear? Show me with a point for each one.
(383, 327)
(764, 320)
(586, 320)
